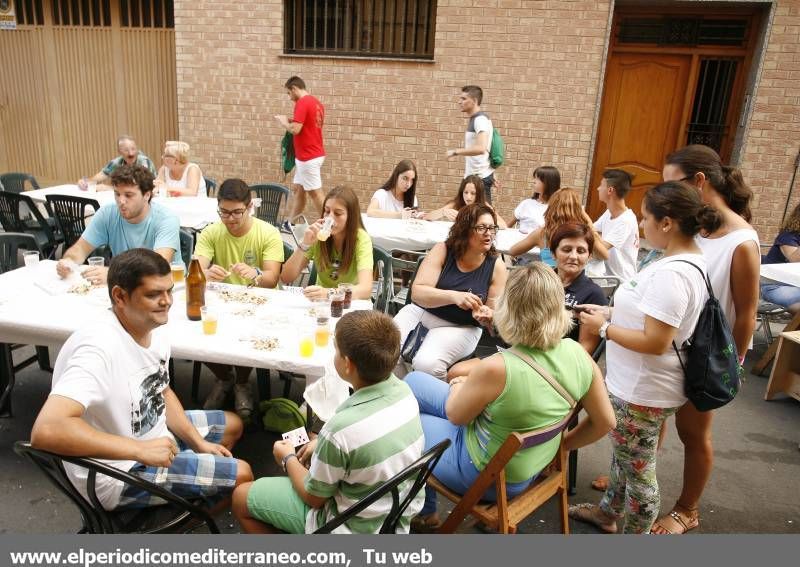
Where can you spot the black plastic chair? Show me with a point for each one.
(187, 246)
(70, 214)
(177, 516)
(19, 213)
(419, 471)
(272, 196)
(15, 182)
(384, 284)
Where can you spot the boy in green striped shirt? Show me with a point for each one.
(373, 435)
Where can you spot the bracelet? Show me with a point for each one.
(303, 247)
(285, 460)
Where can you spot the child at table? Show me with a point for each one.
(470, 191)
(339, 247)
(529, 214)
(373, 435)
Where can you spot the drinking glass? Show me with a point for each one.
(31, 258)
(347, 289)
(210, 320)
(97, 261)
(337, 302)
(178, 272)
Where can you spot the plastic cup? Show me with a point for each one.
(337, 302)
(97, 261)
(407, 214)
(31, 258)
(306, 346)
(347, 289)
(178, 272)
(91, 187)
(322, 335)
(210, 320)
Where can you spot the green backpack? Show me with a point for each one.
(281, 415)
(497, 151)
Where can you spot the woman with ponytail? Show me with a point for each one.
(645, 381)
(733, 257)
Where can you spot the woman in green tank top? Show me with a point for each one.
(504, 395)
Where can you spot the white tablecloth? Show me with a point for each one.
(193, 212)
(422, 235)
(782, 273)
(35, 308)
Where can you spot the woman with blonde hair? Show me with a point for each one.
(504, 394)
(178, 177)
(343, 257)
(563, 207)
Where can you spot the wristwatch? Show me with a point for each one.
(256, 278)
(603, 329)
(285, 460)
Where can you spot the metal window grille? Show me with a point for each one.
(29, 12)
(81, 13)
(360, 28)
(683, 31)
(147, 13)
(711, 101)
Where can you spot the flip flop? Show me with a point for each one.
(682, 523)
(601, 483)
(592, 514)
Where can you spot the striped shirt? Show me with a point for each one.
(374, 434)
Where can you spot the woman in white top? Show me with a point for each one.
(178, 176)
(734, 257)
(530, 212)
(645, 381)
(398, 194)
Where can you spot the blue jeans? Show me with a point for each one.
(455, 469)
(781, 294)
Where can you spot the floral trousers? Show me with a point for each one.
(633, 488)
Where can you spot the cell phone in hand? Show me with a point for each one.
(580, 308)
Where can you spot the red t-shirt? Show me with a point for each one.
(309, 112)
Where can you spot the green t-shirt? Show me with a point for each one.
(529, 402)
(362, 261)
(262, 243)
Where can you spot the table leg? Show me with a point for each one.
(763, 362)
(6, 379)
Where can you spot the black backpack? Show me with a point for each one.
(712, 367)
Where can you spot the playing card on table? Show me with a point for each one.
(297, 437)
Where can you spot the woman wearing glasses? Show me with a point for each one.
(454, 292)
(178, 176)
(343, 256)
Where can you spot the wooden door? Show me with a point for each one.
(644, 106)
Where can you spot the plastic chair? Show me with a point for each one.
(402, 297)
(608, 284)
(504, 515)
(187, 246)
(70, 214)
(211, 186)
(419, 471)
(19, 213)
(272, 196)
(177, 516)
(15, 182)
(383, 291)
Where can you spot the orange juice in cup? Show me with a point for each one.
(306, 346)
(322, 336)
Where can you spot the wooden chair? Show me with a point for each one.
(504, 515)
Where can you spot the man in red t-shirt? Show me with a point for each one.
(306, 127)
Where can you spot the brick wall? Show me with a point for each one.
(540, 64)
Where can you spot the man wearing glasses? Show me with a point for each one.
(240, 250)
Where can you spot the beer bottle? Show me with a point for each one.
(195, 290)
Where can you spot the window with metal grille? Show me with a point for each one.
(682, 31)
(81, 13)
(711, 101)
(360, 28)
(29, 12)
(147, 13)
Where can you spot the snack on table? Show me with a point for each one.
(245, 312)
(242, 296)
(81, 288)
(264, 343)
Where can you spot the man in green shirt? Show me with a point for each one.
(374, 434)
(128, 153)
(240, 249)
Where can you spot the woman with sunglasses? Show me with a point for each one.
(454, 292)
(345, 256)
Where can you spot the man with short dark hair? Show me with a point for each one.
(132, 222)
(111, 399)
(128, 154)
(618, 226)
(373, 435)
(243, 250)
(477, 138)
(306, 128)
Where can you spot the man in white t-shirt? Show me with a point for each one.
(618, 226)
(477, 139)
(111, 400)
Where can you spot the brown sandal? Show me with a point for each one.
(683, 520)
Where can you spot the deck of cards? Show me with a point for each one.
(297, 437)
